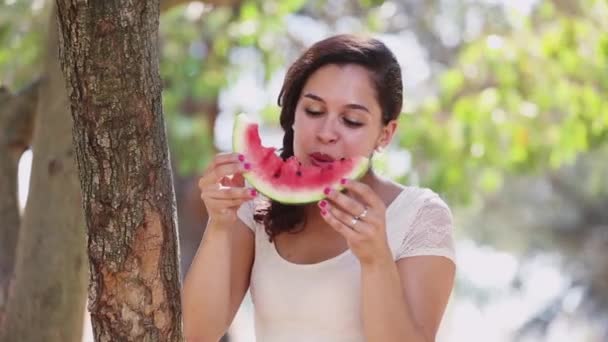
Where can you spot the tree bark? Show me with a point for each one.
(16, 126)
(109, 54)
(47, 297)
(18, 112)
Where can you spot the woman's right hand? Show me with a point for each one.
(223, 188)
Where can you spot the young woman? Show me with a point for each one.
(372, 263)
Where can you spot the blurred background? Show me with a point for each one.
(505, 115)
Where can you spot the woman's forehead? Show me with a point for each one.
(341, 84)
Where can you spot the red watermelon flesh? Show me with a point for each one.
(289, 181)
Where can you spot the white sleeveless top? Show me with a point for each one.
(321, 302)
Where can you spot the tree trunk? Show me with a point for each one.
(16, 125)
(51, 205)
(47, 300)
(109, 54)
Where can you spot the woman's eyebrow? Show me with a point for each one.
(314, 97)
(350, 105)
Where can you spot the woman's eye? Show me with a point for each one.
(313, 112)
(352, 123)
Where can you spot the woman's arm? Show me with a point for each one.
(402, 300)
(216, 282)
(405, 301)
(219, 274)
(427, 282)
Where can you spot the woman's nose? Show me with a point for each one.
(326, 131)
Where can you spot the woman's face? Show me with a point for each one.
(338, 116)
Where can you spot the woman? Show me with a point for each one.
(372, 263)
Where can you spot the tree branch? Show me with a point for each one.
(567, 7)
(17, 114)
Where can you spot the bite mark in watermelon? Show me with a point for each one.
(288, 181)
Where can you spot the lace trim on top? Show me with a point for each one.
(430, 232)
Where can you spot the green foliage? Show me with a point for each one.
(22, 37)
(530, 99)
(370, 3)
(196, 64)
(270, 114)
(523, 102)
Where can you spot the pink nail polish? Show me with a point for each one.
(343, 181)
(326, 191)
(323, 212)
(241, 157)
(253, 193)
(322, 204)
(247, 166)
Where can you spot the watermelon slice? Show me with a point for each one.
(289, 181)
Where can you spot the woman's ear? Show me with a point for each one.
(386, 136)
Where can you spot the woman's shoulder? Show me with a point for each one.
(419, 221)
(408, 197)
(247, 211)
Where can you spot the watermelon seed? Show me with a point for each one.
(298, 173)
(277, 174)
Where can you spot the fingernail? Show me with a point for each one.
(253, 193)
(343, 181)
(323, 212)
(322, 204)
(326, 191)
(247, 166)
(241, 157)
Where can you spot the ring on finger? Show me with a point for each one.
(360, 216)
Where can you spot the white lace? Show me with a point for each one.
(430, 232)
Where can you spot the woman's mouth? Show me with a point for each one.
(320, 159)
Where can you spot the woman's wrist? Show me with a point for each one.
(385, 260)
(216, 228)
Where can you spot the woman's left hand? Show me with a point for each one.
(359, 216)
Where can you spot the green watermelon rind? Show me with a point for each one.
(240, 124)
(289, 196)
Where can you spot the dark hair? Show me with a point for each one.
(341, 49)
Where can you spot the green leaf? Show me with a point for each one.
(491, 180)
(270, 114)
(249, 11)
(451, 81)
(289, 6)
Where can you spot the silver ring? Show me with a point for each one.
(354, 221)
(362, 215)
